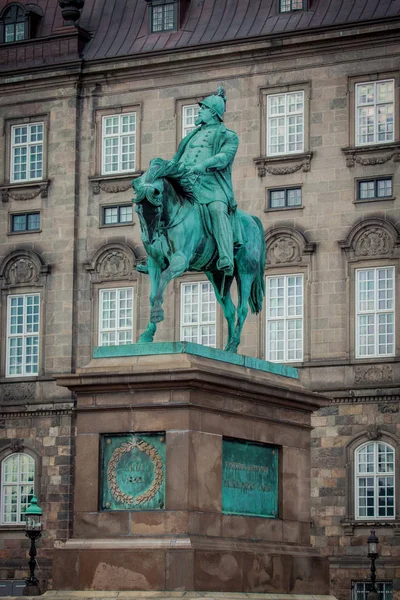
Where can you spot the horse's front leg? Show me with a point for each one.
(178, 265)
(154, 274)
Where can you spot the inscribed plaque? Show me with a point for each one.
(249, 479)
(133, 472)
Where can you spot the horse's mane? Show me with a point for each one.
(175, 175)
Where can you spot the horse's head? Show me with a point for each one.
(149, 191)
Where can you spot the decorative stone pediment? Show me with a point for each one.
(372, 238)
(23, 268)
(283, 165)
(287, 246)
(113, 262)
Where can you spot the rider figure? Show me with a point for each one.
(208, 153)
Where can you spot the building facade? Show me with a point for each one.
(87, 99)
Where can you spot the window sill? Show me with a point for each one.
(24, 191)
(283, 208)
(350, 524)
(390, 198)
(113, 184)
(24, 232)
(116, 225)
(361, 155)
(292, 163)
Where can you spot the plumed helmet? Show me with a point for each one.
(216, 102)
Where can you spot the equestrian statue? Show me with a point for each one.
(190, 222)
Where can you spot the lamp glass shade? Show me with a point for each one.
(373, 548)
(33, 514)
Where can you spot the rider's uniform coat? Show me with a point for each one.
(204, 142)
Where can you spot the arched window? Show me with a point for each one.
(15, 24)
(17, 487)
(374, 481)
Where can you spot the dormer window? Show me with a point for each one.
(18, 23)
(163, 16)
(292, 5)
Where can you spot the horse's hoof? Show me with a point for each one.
(157, 315)
(231, 347)
(145, 338)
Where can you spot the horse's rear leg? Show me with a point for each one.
(219, 281)
(244, 283)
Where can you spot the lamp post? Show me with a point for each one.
(33, 526)
(373, 554)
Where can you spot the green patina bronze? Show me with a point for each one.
(133, 472)
(190, 222)
(249, 479)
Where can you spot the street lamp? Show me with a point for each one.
(373, 554)
(33, 526)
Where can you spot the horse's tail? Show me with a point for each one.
(258, 286)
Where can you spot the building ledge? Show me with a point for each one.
(377, 154)
(349, 525)
(113, 184)
(283, 165)
(27, 190)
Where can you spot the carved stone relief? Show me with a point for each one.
(373, 432)
(284, 249)
(115, 265)
(19, 391)
(265, 165)
(373, 374)
(373, 242)
(17, 445)
(22, 270)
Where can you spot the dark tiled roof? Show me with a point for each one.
(120, 27)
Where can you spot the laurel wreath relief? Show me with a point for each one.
(152, 453)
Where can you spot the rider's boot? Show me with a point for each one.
(222, 230)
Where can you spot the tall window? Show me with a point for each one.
(189, 115)
(289, 5)
(374, 485)
(17, 487)
(23, 335)
(119, 143)
(375, 312)
(27, 152)
(285, 318)
(116, 316)
(14, 25)
(163, 16)
(285, 123)
(361, 590)
(198, 313)
(375, 112)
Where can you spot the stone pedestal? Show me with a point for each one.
(189, 543)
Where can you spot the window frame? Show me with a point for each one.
(352, 107)
(284, 189)
(376, 198)
(357, 313)
(26, 215)
(157, 3)
(304, 86)
(375, 475)
(19, 484)
(25, 294)
(185, 106)
(198, 282)
(28, 144)
(8, 158)
(383, 595)
(116, 330)
(286, 276)
(97, 156)
(292, 10)
(104, 207)
(25, 19)
(376, 142)
(119, 136)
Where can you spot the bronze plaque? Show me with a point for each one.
(133, 472)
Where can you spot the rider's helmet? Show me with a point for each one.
(216, 102)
